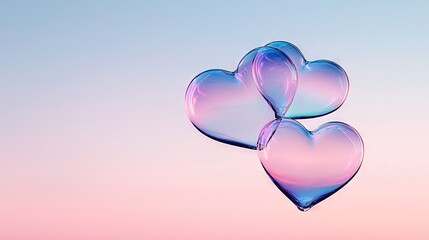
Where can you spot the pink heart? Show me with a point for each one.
(309, 166)
(322, 85)
(227, 106)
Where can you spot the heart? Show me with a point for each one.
(309, 166)
(227, 106)
(322, 85)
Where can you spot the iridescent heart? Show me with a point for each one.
(322, 85)
(309, 166)
(227, 106)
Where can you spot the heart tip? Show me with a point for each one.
(303, 209)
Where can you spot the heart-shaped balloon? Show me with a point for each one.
(309, 166)
(276, 78)
(227, 106)
(322, 85)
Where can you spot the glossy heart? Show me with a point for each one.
(309, 166)
(227, 106)
(322, 85)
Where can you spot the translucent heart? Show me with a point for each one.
(227, 106)
(309, 166)
(276, 78)
(322, 85)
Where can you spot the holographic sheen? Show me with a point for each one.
(276, 78)
(322, 85)
(227, 106)
(309, 166)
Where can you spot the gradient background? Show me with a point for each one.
(95, 142)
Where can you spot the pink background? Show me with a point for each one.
(95, 142)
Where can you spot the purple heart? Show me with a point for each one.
(309, 166)
(322, 85)
(227, 106)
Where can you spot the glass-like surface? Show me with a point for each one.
(322, 85)
(309, 166)
(227, 106)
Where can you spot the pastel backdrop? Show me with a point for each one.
(95, 142)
